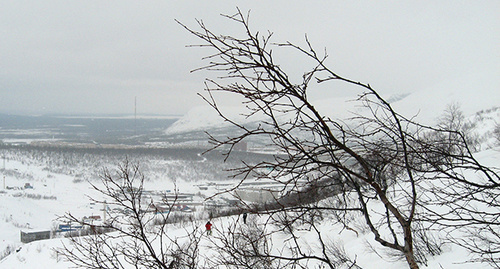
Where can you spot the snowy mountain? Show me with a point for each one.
(475, 93)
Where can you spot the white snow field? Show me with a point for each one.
(54, 194)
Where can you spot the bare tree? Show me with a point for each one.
(132, 235)
(405, 180)
(376, 164)
(460, 197)
(453, 119)
(251, 246)
(496, 133)
(242, 247)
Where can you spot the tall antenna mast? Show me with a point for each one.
(135, 116)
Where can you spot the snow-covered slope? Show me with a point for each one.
(41, 254)
(71, 197)
(202, 118)
(472, 93)
(475, 93)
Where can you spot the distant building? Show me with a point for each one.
(92, 218)
(257, 195)
(69, 227)
(27, 237)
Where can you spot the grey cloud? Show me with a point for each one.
(96, 56)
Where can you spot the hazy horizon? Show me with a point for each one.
(95, 57)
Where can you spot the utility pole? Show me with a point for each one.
(3, 172)
(105, 205)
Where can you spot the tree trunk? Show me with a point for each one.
(408, 248)
(410, 259)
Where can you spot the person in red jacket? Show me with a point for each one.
(209, 228)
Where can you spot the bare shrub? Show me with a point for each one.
(133, 238)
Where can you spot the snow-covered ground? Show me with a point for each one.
(61, 194)
(36, 208)
(54, 194)
(41, 254)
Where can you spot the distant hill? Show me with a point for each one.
(473, 93)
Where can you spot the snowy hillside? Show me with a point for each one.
(474, 93)
(56, 186)
(203, 117)
(40, 254)
(19, 212)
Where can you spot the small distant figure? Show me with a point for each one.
(208, 226)
(245, 215)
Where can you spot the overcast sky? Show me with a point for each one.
(86, 56)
